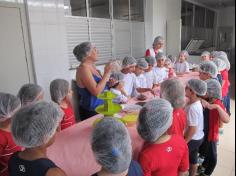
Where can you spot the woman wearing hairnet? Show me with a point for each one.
(90, 82)
(156, 47)
(9, 105)
(34, 127)
(164, 154)
(111, 145)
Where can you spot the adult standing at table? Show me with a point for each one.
(89, 81)
(156, 47)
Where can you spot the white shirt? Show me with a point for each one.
(150, 78)
(129, 81)
(195, 118)
(140, 82)
(161, 74)
(120, 97)
(182, 67)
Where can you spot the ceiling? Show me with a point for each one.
(217, 4)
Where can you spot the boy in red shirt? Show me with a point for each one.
(9, 104)
(217, 113)
(173, 91)
(62, 95)
(164, 154)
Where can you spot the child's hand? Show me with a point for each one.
(207, 105)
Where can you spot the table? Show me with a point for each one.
(72, 151)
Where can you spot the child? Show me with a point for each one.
(182, 66)
(194, 133)
(216, 113)
(173, 91)
(62, 95)
(149, 73)
(128, 67)
(172, 58)
(111, 145)
(208, 70)
(169, 66)
(9, 104)
(205, 56)
(164, 154)
(117, 87)
(156, 47)
(220, 67)
(38, 124)
(160, 71)
(30, 93)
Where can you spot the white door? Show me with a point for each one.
(13, 61)
(173, 41)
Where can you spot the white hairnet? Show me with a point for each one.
(172, 58)
(209, 67)
(151, 60)
(160, 55)
(59, 88)
(29, 93)
(197, 86)
(158, 39)
(128, 61)
(142, 63)
(185, 53)
(214, 89)
(221, 65)
(154, 119)
(34, 125)
(213, 54)
(223, 56)
(82, 50)
(118, 76)
(111, 145)
(173, 91)
(205, 53)
(9, 104)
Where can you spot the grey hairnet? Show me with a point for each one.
(221, 65)
(168, 61)
(205, 53)
(173, 90)
(172, 58)
(128, 61)
(197, 86)
(223, 56)
(82, 50)
(214, 89)
(154, 119)
(34, 125)
(118, 76)
(158, 39)
(142, 63)
(29, 93)
(209, 67)
(111, 145)
(9, 104)
(59, 88)
(151, 60)
(160, 55)
(213, 54)
(185, 53)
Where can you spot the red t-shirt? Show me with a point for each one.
(225, 86)
(214, 122)
(69, 117)
(179, 122)
(7, 149)
(166, 159)
(147, 54)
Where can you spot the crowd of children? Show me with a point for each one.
(178, 128)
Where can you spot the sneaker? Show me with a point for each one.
(200, 160)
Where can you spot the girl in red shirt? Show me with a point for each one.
(9, 104)
(62, 95)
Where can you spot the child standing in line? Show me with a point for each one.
(205, 56)
(9, 105)
(61, 93)
(182, 66)
(194, 133)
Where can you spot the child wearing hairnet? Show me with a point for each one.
(205, 56)
(163, 154)
(177, 100)
(208, 70)
(111, 145)
(149, 72)
(117, 87)
(194, 132)
(61, 94)
(169, 66)
(160, 71)
(182, 66)
(217, 113)
(9, 105)
(34, 128)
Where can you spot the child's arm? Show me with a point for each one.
(183, 173)
(189, 133)
(142, 90)
(224, 117)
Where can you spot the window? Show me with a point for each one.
(99, 8)
(121, 9)
(187, 14)
(199, 17)
(136, 10)
(78, 7)
(210, 18)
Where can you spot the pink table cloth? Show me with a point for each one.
(72, 151)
